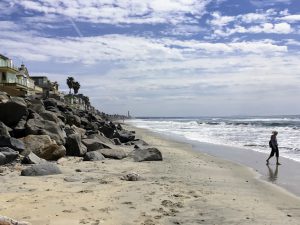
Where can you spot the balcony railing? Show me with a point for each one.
(21, 82)
(8, 65)
(14, 81)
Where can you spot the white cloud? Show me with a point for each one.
(220, 20)
(291, 18)
(91, 50)
(263, 3)
(278, 28)
(253, 17)
(119, 11)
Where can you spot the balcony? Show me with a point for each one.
(14, 82)
(8, 65)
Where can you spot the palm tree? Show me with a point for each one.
(70, 83)
(76, 87)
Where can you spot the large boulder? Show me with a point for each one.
(4, 130)
(32, 158)
(108, 130)
(72, 119)
(113, 153)
(51, 116)
(101, 138)
(4, 97)
(41, 170)
(11, 112)
(19, 130)
(94, 144)
(93, 156)
(84, 121)
(74, 146)
(147, 154)
(50, 102)
(43, 146)
(124, 136)
(38, 126)
(13, 143)
(75, 130)
(7, 155)
(36, 105)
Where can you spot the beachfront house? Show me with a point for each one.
(16, 81)
(49, 88)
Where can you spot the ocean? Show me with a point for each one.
(251, 133)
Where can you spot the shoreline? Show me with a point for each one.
(285, 176)
(187, 187)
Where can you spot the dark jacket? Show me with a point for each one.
(274, 141)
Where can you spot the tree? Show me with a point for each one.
(86, 102)
(76, 87)
(70, 83)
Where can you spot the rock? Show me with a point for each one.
(51, 116)
(53, 109)
(75, 130)
(84, 121)
(36, 105)
(117, 141)
(33, 159)
(7, 155)
(131, 177)
(50, 102)
(107, 130)
(13, 111)
(8, 221)
(93, 156)
(93, 144)
(19, 129)
(44, 147)
(4, 130)
(113, 153)
(124, 136)
(72, 119)
(101, 138)
(13, 143)
(140, 142)
(72, 179)
(74, 146)
(119, 127)
(4, 97)
(38, 126)
(147, 154)
(41, 170)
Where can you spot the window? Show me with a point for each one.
(3, 76)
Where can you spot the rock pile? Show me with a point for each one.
(35, 131)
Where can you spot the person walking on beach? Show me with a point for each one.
(274, 146)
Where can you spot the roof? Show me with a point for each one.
(4, 57)
(37, 77)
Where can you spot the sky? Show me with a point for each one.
(163, 57)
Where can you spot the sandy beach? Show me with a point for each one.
(187, 188)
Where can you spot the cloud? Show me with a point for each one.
(291, 18)
(118, 48)
(119, 11)
(264, 3)
(269, 28)
(219, 20)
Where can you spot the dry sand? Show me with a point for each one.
(186, 188)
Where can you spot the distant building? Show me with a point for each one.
(49, 88)
(16, 81)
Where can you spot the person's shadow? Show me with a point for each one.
(273, 174)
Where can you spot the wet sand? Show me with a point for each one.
(187, 187)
